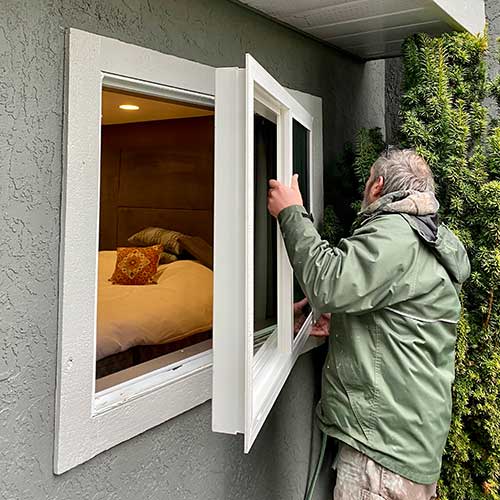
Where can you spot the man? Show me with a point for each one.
(392, 289)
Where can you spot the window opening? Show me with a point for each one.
(156, 172)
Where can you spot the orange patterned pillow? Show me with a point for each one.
(136, 266)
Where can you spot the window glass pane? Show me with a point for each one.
(301, 167)
(156, 172)
(265, 229)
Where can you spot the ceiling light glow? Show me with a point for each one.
(129, 107)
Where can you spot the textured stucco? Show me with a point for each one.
(393, 90)
(493, 19)
(181, 459)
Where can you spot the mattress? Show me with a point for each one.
(179, 306)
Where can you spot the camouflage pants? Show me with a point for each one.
(360, 478)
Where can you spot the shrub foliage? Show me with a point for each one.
(445, 119)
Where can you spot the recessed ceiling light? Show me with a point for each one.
(129, 107)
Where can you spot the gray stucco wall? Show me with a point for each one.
(181, 459)
(493, 19)
(393, 90)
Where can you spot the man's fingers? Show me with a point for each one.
(273, 183)
(303, 302)
(298, 306)
(295, 182)
(322, 327)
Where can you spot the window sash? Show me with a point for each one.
(246, 384)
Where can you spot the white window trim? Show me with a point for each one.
(86, 425)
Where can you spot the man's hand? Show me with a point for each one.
(281, 196)
(320, 328)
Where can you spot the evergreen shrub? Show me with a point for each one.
(445, 119)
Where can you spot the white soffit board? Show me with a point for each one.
(374, 29)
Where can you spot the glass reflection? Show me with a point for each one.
(265, 231)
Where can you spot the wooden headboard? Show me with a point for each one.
(156, 174)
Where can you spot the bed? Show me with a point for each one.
(179, 307)
(154, 174)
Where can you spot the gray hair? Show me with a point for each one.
(403, 170)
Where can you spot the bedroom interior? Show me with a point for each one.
(156, 195)
(156, 217)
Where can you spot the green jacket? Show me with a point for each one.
(393, 291)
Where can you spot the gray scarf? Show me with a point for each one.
(417, 203)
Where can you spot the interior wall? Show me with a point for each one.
(156, 174)
(181, 459)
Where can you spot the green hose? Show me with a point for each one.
(312, 484)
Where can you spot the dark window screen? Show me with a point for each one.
(301, 167)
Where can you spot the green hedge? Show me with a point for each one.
(445, 119)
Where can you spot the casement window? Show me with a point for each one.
(256, 341)
(194, 160)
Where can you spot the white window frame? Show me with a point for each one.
(246, 386)
(85, 424)
(88, 423)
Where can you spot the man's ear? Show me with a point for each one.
(378, 186)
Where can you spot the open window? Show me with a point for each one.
(262, 132)
(133, 355)
(154, 280)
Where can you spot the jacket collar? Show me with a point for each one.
(421, 205)
(404, 202)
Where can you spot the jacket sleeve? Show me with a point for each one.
(367, 271)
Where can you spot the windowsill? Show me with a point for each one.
(171, 361)
(112, 388)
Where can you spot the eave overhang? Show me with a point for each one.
(373, 29)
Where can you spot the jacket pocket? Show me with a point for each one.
(358, 412)
(358, 371)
